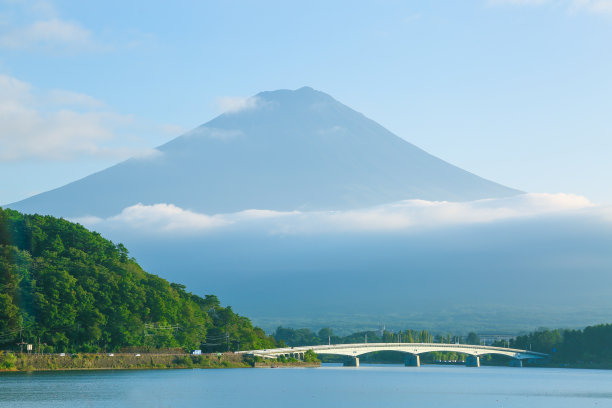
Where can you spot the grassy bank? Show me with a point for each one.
(86, 361)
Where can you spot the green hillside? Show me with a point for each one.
(69, 288)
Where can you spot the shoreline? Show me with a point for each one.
(87, 361)
(150, 361)
(270, 364)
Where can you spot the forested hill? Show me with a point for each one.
(65, 286)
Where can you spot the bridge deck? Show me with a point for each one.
(358, 349)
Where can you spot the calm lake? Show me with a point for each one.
(328, 386)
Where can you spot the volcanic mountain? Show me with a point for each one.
(353, 255)
(285, 150)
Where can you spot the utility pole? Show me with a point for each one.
(21, 343)
(329, 340)
(366, 338)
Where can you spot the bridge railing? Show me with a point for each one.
(322, 348)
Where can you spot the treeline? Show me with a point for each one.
(64, 288)
(306, 337)
(591, 346)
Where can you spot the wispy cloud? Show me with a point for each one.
(62, 125)
(59, 97)
(593, 6)
(173, 130)
(400, 216)
(234, 104)
(518, 2)
(49, 34)
(602, 7)
(38, 26)
(421, 213)
(215, 133)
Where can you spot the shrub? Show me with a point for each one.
(7, 361)
(311, 357)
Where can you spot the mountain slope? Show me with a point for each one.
(287, 150)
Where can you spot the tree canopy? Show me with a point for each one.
(71, 289)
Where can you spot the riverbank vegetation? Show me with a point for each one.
(117, 361)
(66, 289)
(126, 361)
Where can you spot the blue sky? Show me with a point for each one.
(516, 91)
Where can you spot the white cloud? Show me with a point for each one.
(263, 214)
(61, 125)
(424, 214)
(400, 216)
(234, 104)
(165, 217)
(13, 90)
(48, 34)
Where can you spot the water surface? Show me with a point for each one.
(328, 386)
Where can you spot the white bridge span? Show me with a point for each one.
(412, 351)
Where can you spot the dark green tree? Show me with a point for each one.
(472, 338)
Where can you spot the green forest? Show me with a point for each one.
(589, 347)
(305, 337)
(66, 289)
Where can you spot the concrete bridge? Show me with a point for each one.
(412, 351)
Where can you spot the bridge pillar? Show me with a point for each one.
(412, 360)
(352, 362)
(515, 362)
(472, 361)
